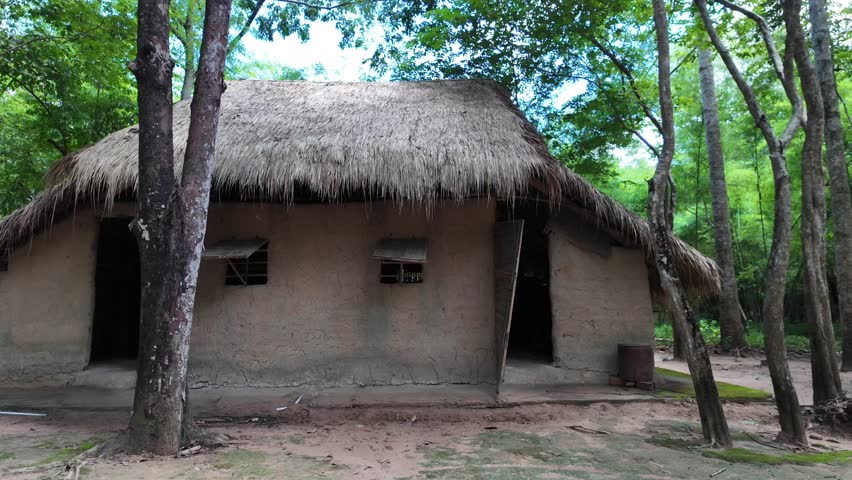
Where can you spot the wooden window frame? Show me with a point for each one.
(250, 271)
(408, 273)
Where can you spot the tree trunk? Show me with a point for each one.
(824, 369)
(678, 340)
(786, 399)
(841, 199)
(713, 422)
(732, 332)
(171, 221)
(189, 52)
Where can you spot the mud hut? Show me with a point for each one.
(360, 233)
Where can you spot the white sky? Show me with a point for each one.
(322, 48)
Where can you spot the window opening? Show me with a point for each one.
(251, 270)
(401, 272)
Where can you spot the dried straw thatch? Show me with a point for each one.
(408, 141)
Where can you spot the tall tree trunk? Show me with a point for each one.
(732, 332)
(660, 210)
(188, 41)
(786, 399)
(678, 340)
(171, 220)
(841, 199)
(824, 369)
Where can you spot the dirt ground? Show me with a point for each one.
(642, 440)
(748, 372)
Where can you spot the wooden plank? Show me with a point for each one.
(507, 253)
(411, 250)
(233, 249)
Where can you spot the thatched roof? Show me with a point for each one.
(406, 141)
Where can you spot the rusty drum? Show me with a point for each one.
(636, 362)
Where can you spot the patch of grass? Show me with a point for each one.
(682, 387)
(672, 373)
(6, 456)
(521, 444)
(742, 455)
(49, 444)
(442, 456)
(243, 464)
(65, 453)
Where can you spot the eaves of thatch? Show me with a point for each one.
(408, 141)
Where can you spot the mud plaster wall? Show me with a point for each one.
(324, 318)
(47, 302)
(599, 298)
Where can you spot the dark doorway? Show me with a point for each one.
(115, 328)
(530, 335)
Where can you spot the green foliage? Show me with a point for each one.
(709, 330)
(796, 335)
(63, 84)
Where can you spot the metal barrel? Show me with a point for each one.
(636, 362)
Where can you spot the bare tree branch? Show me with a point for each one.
(783, 68)
(596, 80)
(178, 34)
(45, 38)
(685, 58)
(748, 93)
(246, 26)
(631, 80)
(654, 150)
(845, 110)
(63, 147)
(328, 7)
(42, 38)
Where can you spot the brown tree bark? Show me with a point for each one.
(824, 368)
(841, 198)
(786, 399)
(171, 220)
(660, 210)
(730, 323)
(678, 341)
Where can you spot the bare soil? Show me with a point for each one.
(649, 440)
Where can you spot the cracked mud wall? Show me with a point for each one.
(324, 319)
(46, 304)
(600, 298)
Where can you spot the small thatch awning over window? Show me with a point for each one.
(409, 250)
(233, 249)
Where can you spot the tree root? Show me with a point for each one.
(116, 445)
(193, 435)
(836, 414)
